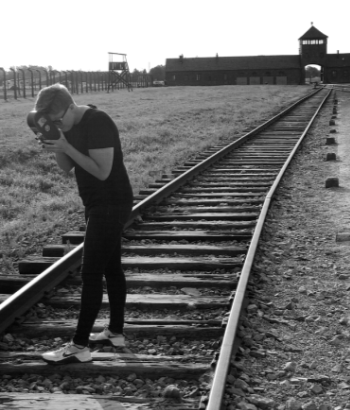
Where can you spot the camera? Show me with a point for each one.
(40, 123)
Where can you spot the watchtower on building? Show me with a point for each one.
(118, 72)
(313, 48)
(263, 69)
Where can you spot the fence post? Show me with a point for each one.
(98, 75)
(90, 81)
(60, 77)
(24, 81)
(39, 72)
(76, 81)
(108, 80)
(5, 93)
(65, 82)
(32, 80)
(14, 83)
(78, 77)
(72, 81)
(81, 82)
(47, 78)
(69, 79)
(86, 82)
(94, 77)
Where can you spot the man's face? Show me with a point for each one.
(64, 120)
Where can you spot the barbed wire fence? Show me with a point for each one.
(21, 82)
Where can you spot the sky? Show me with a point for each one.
(79, 34)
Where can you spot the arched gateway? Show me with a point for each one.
(277, 69)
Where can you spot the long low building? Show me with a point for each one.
(275, 69)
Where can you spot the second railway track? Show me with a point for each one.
(185, 257)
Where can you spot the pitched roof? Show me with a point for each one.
(312, 33)
(232, 63)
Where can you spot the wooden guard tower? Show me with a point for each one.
(118, 72)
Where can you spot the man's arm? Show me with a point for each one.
(64, 161)
(98, 163)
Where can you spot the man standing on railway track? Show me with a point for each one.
(89, 143)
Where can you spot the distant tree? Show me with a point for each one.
(158, 73)
(312, 72)
(135, 75)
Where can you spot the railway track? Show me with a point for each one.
(338, 87)
(188, 249)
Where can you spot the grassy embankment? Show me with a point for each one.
(159, 128)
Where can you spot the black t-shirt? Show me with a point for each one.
(97, 130)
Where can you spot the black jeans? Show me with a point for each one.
(102, 256)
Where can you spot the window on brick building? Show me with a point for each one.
(320, 41)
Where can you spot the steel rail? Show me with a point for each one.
(21, 301)
(177, 182)
(338, 87)
(227, 346)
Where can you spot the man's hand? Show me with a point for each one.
(60, 145)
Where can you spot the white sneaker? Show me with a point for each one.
(108, 338)
(68, 354)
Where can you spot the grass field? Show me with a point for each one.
(159, 128)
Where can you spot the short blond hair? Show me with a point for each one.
(53, 99)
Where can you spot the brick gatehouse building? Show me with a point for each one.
(280, 69)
